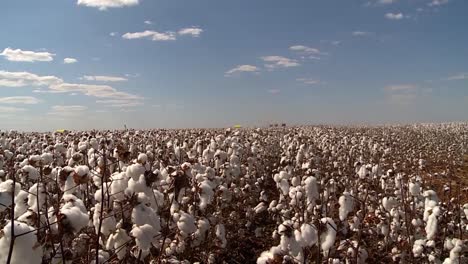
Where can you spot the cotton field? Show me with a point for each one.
(312, 194)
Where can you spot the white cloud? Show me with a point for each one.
(67, 110)
(460, 76)
(308, 81)
(438, 2)
(26, 56)
(361, 33)
(279, 62)
(113, 34)
(119, 103)
(19, 100)
(9, 109)
(153, 35)
(104, 4)
(396, 16)
(21, 79)
(193, 31)
(400, 88)
(242, 68)
(404, 94)
(305, 49)
(70, 60)
(57, 85)
(148, 22)
(386, 2)
(101, 78)
(100, 91)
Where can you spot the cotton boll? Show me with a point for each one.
(311, 190)
(284, 186)
(186, 224)
(74, 217)
(47, 158)
(389, 203)
(36, 197)
(269, 255)
(116, 242)
(418, 247)
(415, 188)
(346, 202)
(142, 214)
(206, 194)
(32, 173)
(144, 236)
(26, 248)
(6, 189)
(328, 239)
(431, 225)
(220, 232)
(21, 202)
(135, 170)
(309, 235)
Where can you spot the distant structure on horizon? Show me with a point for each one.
(278, 125)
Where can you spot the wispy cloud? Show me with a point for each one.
(305, 49)
(19, 100)
(273, 62)
(361, 33)
(105, 4)
(438, 2)
(9, 109)
(57, 85)
(26, 55)
(103, 78)
(153, 35)
(67, 110)
(113, 34)
(460, 76)
(404, 94)
(394, 16)
(70, 60)
(193, 31)
(148, 22)
(242, 68)
(308, 81)
(21, 79)
(119, 103)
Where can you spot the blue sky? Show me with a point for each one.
(83, 64)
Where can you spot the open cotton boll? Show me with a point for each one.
(47, 158)
(25, 249)
(118, 186)
(455, 253)
(135, 170)
(311, 190)
(6, 189)
(136, 186)
(186, 224)
(389, 203)
(144, 236)
(32, 173)
(269, 255)
(309, 235)
(346, 202)
(220, 232)
(431, 225)
(328, 239)
(284, 186)
(142, 158)
(418, 247)
(74, 217)
(203, 226)
(108, 221)
(206, 194)
(116, 241)
(36, 197)
(142, 214)
(415, 188)
(430, 195)
(21, 202)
